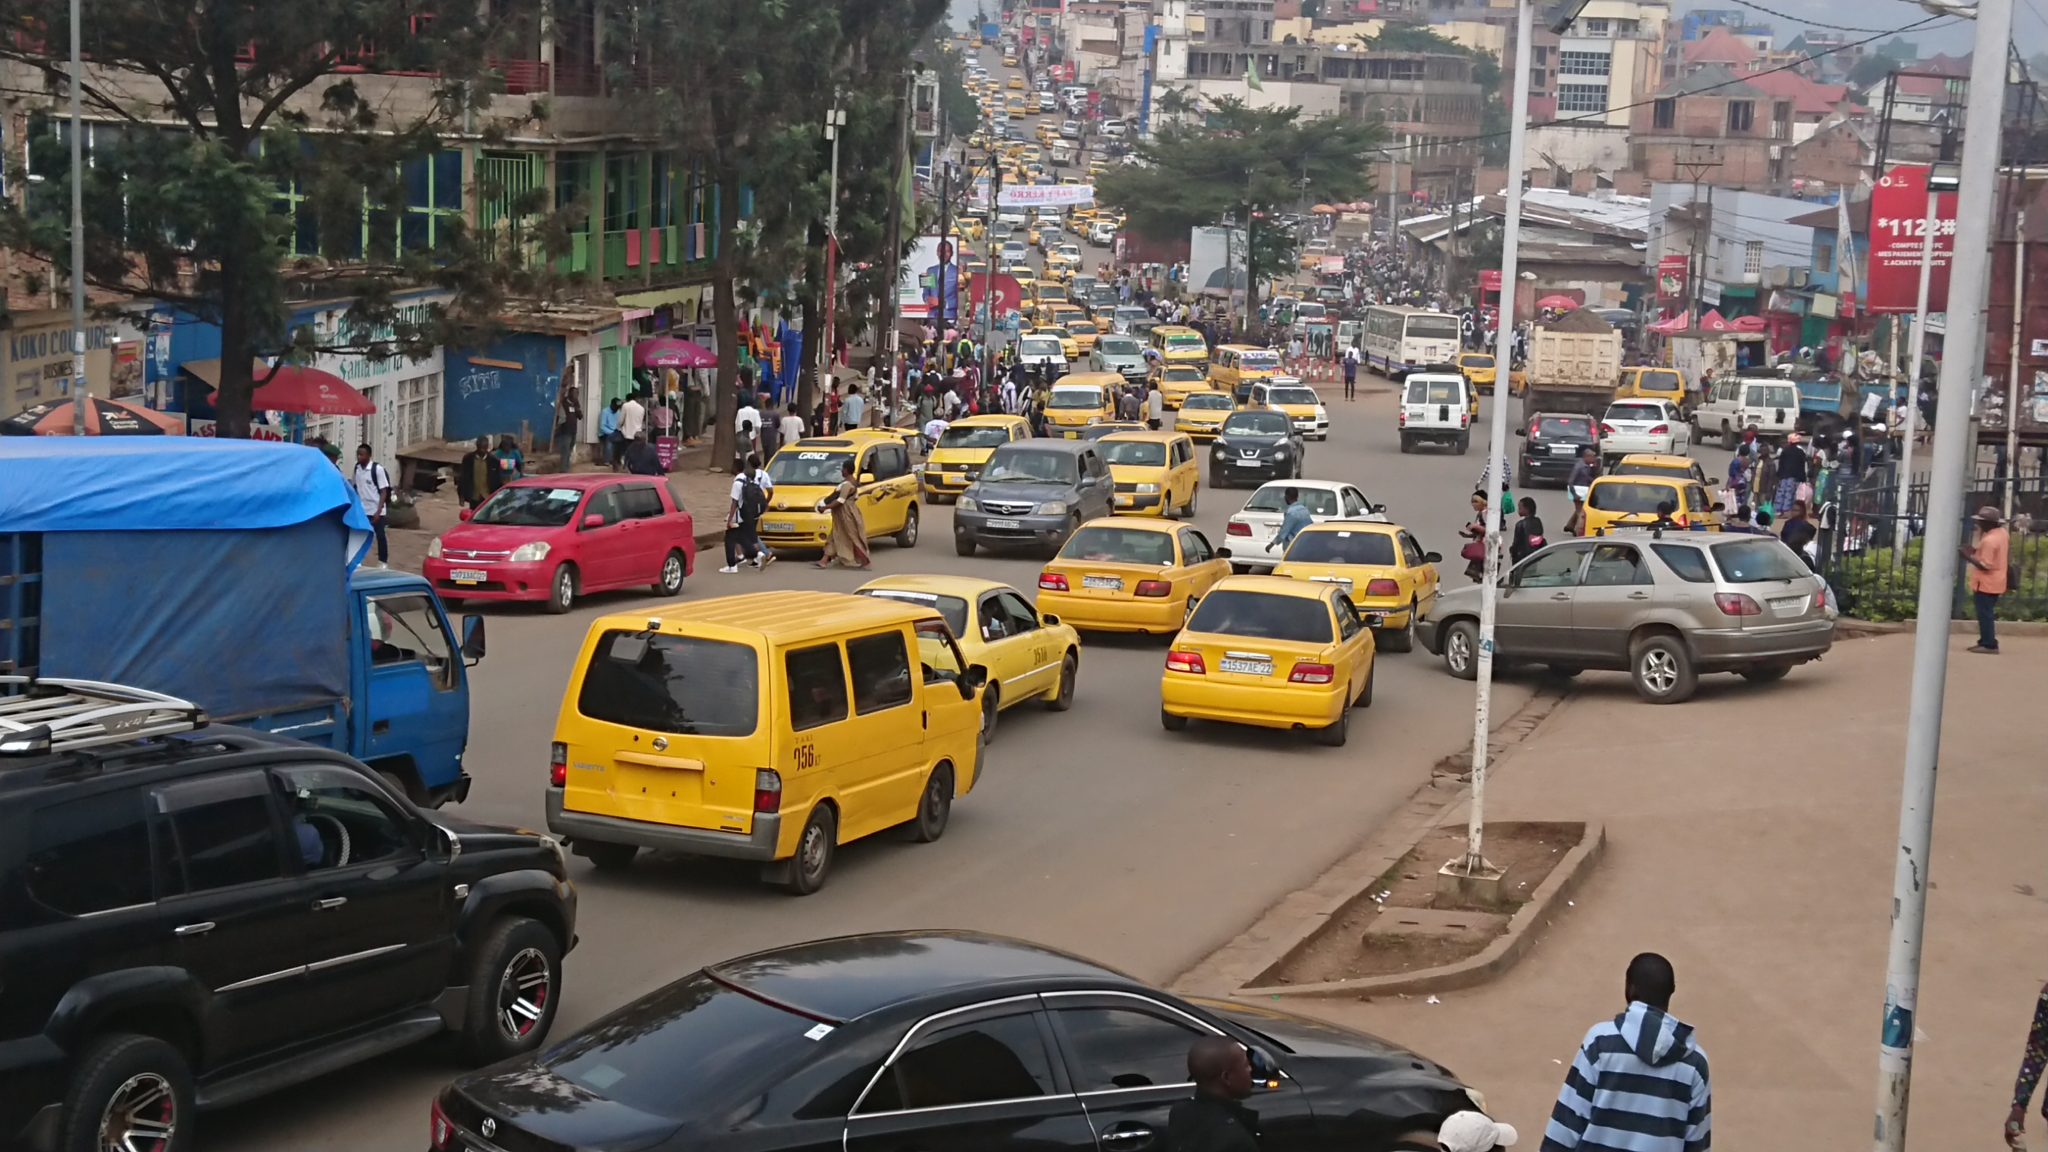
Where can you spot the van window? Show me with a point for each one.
(817, 686)
(682, 684)
(881, 672)
(938, 654)
(1435, 392)
(1630, 497)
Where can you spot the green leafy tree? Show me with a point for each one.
(204, 113)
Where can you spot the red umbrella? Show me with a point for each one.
(1678, 323)
(1747, 324)
(296, 388)
(672, 352)
(1713, 321)
(102, 418)
(1558, 303)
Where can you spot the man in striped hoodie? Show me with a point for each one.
(1639, 1083)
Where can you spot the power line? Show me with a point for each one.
(1802, 20)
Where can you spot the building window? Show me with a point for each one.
(1583, 63)
(1824, 255)
(1741, 116)
(1596, 27)
(1582, 98)
(433, 200)
(1753, 258)
(1664, 114)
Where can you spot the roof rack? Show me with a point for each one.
(40, 714)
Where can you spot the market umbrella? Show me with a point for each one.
(1323, 210)
(1678, 323)
(1558, 303)
(102, 418)
(1747, 324)
(672, 352)
(1713, 321)
(299, 389)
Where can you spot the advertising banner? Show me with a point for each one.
(1898, 220)
(1045, 195)
(1671, 276)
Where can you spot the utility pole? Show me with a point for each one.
(943, 170)
(1695, 261)
(888, 337)
(988, 291)
(80, 391)
(835, 127)
(1961, 363)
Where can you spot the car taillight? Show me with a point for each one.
(1683, 521)
(1404, 417)
(440, 1130)
(1382, 588)
(1661, 430)
(1737, 604)
(1307, 673)
(767, 790)
(1186, 662)
(1607, 429)
(1052, 581)
(1464, 419)
(558, 764)
(1237, 528)
(1155, 588)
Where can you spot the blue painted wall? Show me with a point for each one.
(488, 399)
(174, 339)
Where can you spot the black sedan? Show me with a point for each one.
(937, 1042)
(1254, 446)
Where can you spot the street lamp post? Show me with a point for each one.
(79, 389)
(1940, 178)
(1961, 364)
(835, 127)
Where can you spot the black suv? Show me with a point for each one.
(193, 916)
(1551, 445)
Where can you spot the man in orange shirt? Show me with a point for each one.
(1987, 561)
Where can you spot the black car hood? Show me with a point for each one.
(1242, 440)
(1326, 1055)
(475, 835)
(538, 1111)
(1036, 491)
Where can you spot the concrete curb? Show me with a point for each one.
(1283, 929)
(1850, 628)
(1497, 957)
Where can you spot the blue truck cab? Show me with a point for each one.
(227, 573)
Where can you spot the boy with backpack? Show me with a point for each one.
(750, 492)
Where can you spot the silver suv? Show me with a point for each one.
(1661, 606)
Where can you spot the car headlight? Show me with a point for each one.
(1322, 413)
(1148, 489)
(1053, 508)
(529, 553)
(434, 548)
(1217, 450)
(966, 504)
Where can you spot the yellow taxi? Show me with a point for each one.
(1234, 368)
(1016, 84)
(1069, 347)
(1155, 473)
(1478, 370)
(1617, 501)
(1009, 59)
(963, 448)
(1061, 260)
(1380, 566)
(1084, 331)
(1178, 344)
(1180, 382)
(1032, 154)
(806, 472)
(1081, 399)
(1047, 134)
(1202, 414)
(771, 727)
(1652, 383)
(1119, 574)
(1028, 656)
(1050, 294)
(1270, 652)
(1653, 464)
(1019, 268)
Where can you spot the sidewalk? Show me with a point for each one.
(1751, 838)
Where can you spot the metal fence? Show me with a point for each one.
(1870, 545)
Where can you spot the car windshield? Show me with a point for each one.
(1273, 498)
(1117, 346)
(1120, 546)
(1262, 616)
(1292, 396)
(1208, 400)
(1040, 346)
(1564, 428)
(953, 608)
(1182, 374)
(1075, 398)
(1081, 327)
(663, 683)
(1186, 340)
(1343, 546)
(1052, 291)
(973, 437)
(679, 1052)
(1634, 412)
(803, 466)
(1433, 327)
(1433, 392)
(1137, 453)
(1309, 310)
(1256, 423)
(1659, 380)
(1259, 360)
(1648, 468)
(1627, 497)
(1755, 560)
(1028, 467)
(529, 506)
(1477, 361)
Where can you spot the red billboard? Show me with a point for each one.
(1672, 272)
(1898, 222)
(1009, 293)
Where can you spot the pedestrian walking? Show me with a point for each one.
(1580, 485)
(511, 461)
(1990, 574)
(1791, 474)
(568, 421)
(1474, 532)
(1640, 1080)
(1213, 1120)
(848, 542)
(608, 441)
(1294, 517)
(1351, 372)
(373, 490)
(642, 458)
(1155, 406)
(746, 424)
(792, 425)
(750, 492)
(2033, 1058)
(1528, 538)
(852, 409)
(477, 476)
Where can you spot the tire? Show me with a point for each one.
(515, 980)
(672, 567)
(934, 806)
(991, 712)
(907, 537)
(1767, 673)
(1364, 699)
(124, 1079)
(963, 545)
(1407, 444)
(1522, 473)
(1194, 496)
(814, 850)
(1402, 639)
(1172, 723)
(606, 856)
(1662, 669)
(1728, 438)
(1062, 697)
(1334, 735)
(1464, 443)
(1461, 650)
(562, 589)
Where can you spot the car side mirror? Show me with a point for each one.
(1432, 558)
(1223, 553)
(472, 640)
(1263, 1065)
(594, 520)
(1717, 506)
(465, 514)
(1521, 431)
(867, 478)
(975, 680)
(1049, 620)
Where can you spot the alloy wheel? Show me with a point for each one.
(1659, 671)
(523, 993)
(1458, 650)
(141, 1115)
(672, 573)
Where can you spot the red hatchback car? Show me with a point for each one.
(553, 538)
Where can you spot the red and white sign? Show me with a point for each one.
(1898, 223)
(1672, 272)
(1045, 195)
(1008, 292)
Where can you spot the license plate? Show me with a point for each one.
(1073, 435)
(469, 575)
(1247, 667)
(1106, 583)
(1788, 605)
(1009, 524)
(1563, 450)
(778, 526)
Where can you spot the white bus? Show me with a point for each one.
(1407, 336)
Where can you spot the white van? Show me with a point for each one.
(1435, 409)
(1737, 402)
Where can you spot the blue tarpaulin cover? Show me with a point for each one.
(212, 570)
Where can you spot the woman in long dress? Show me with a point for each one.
(848, 543)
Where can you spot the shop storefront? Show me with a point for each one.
(510, 386)
(39, 364)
